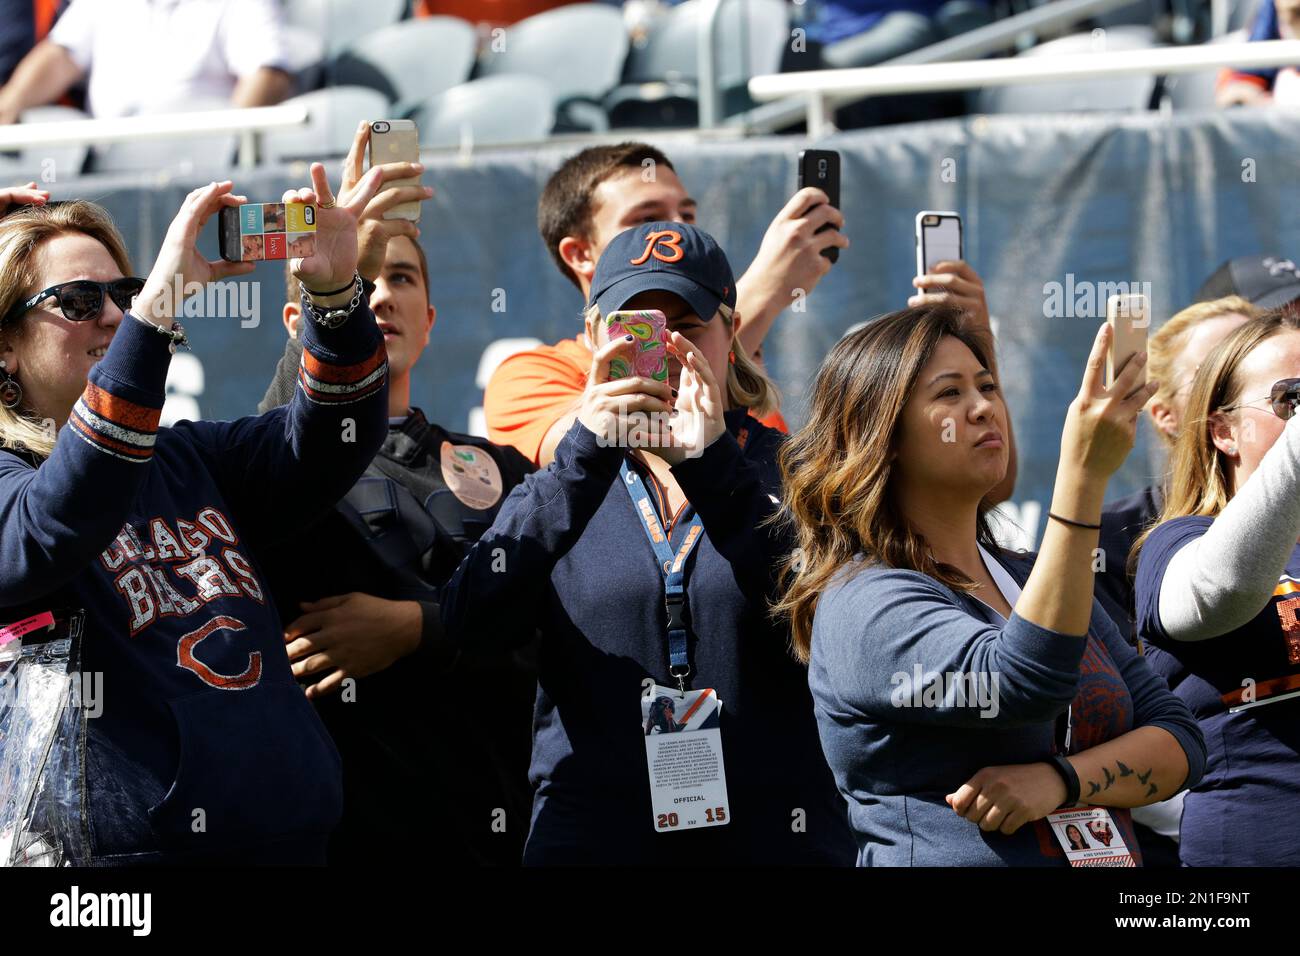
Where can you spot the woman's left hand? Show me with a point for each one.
(698, 410)
(334, 262)
(1006, 798)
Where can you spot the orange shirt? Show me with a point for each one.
(530, 391)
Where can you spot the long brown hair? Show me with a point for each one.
(1200, 482)
(21, 235)
(837, 469)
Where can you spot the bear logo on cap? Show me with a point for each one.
(669, 239)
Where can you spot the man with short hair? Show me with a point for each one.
(435, 746)
(533, 396)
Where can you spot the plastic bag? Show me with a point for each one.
(42, 743)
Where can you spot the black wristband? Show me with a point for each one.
(1074, 524)
(325, 295)
(1071, 778)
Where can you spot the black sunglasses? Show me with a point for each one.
(1282, 399)
(83, 299)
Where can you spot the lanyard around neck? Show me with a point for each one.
(672, 565)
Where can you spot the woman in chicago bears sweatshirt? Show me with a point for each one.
(204, 747)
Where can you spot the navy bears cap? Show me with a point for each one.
(664, 257)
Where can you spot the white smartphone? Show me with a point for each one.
(396, 141)
(938, 239)
(1129, 317)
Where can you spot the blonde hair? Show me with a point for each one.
(21, 235)
(747, 385)
(1200, 482)
(1171, 338)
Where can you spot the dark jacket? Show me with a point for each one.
(205, 748)
(569, 555)
(435, 747)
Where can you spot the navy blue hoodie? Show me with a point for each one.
(568, 555)
(206, 748)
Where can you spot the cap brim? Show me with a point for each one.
(1276, 298)
(702, 302)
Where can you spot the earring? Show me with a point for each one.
(731, 357)
(11, 393)
(1232, 449)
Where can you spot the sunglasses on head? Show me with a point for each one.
(1282, 399)
(83, 299)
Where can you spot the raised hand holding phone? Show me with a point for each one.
(334, 261)
(179, 264)
(698, 420)
(376, 228)
(1129, 318)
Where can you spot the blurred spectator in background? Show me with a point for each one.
(1240, 289)
(153, 56)
(533, 396)
(23, 24)
(1174, 353)
(496, 12)
(1275, 20)
(852, 33)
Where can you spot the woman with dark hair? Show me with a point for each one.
(1075, 836)
(1217, 587)
(964, 693)
(205, 750)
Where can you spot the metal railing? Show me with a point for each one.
(993, 38)
(818, 88)
(248, 123)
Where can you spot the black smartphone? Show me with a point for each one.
(270, 230)
(821, 168)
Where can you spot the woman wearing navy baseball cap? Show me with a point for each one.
(644, 558)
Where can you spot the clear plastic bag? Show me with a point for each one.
(42, 745)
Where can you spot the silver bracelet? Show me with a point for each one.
(176, 334)
(333, 318)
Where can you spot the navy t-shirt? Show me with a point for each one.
(1237, 815)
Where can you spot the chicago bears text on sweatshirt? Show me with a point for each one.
(568, 555)
(205, 746)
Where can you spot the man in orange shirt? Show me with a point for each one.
(533, 396)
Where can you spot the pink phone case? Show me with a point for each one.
(650, 328)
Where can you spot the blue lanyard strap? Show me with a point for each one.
(671, 564)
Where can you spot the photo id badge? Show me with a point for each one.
(1089, 837)
(683, 749)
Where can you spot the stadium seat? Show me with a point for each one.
(577, 49)
(1195, 91)
(1241, 14)
(342, 22)
(68, 160)
(202, 155)
(661, 81)
(333, 117)
(409, 61)
(491, 110)
(1112, 93)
